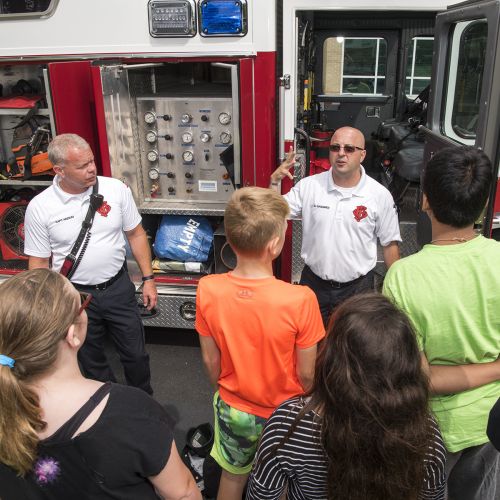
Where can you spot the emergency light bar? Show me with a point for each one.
(223, 17)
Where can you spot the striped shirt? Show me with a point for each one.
(300, 463)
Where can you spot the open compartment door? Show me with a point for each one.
(465, 92)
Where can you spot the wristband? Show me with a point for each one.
(149, 277)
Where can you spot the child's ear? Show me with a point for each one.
(274, 246)
(71, 338)
(425, 203)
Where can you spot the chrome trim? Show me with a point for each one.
(31, 15)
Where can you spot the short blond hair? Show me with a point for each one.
(253, 217)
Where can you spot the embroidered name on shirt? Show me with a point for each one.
(104, 209)
(360, 213)
(321, 206)
(65, 218)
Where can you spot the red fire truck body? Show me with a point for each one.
(187, 100)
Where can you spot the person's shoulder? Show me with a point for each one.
(375, 187)
(489, 244)
(292, 404)
(407, 268)
(213, 280)
(43, 197)
(42, 202)
(299, 291)
(133, 401)
(314, 180)
(111, 183)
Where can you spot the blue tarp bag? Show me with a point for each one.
(184, 238)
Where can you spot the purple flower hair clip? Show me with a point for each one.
(46, 470)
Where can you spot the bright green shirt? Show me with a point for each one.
(452, 295)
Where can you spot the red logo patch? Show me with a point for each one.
(360, 213)
(104, 209)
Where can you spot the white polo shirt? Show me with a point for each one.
(340, 226)
(54, 219)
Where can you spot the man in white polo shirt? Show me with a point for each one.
(343, 213)
(52, 224)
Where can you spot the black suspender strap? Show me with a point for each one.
(71, 261)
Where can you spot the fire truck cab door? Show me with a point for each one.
(465, 90)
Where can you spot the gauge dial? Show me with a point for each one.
(153, 174)
(187, 138)
(188, 156)
(151, 136)
(225, 118)
(205, 137)
(152, 155)
(149, 117)
(225, 137)
(186, 118)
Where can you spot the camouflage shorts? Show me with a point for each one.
(236, 438)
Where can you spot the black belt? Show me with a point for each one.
(103, 285)
(338, 284)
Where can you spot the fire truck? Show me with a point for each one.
(187, 100)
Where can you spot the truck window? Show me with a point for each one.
(418, 65)
(26, 8)
(468, 53)
(354, 65)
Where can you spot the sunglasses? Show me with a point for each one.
(348, 148)
(85, 299)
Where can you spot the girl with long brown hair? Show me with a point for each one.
(63, 436)
(364, 431)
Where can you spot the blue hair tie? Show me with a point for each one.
(6, 361)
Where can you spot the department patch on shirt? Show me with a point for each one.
(360, 213)
(104, 209)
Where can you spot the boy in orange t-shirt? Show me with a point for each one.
(258, 334)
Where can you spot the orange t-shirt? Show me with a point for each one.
(257, 324)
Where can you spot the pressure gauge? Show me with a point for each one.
(149, 117)
(225, 137)
(187, 138)
(225, 118)
(188, 156)
(186, 118)
(152, 155)
(151, 136)
(153, 174)
(205, 137)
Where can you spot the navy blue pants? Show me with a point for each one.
(114, 312)
(330, 295)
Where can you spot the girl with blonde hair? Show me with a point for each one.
(64, 436)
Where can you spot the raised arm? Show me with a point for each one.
(450, 379)
(283, 171)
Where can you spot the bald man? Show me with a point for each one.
(343, 214)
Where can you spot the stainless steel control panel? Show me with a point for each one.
(181, 142)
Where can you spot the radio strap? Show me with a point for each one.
(71, 261)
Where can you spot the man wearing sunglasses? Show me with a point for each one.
(343, 214)
(52, 224)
